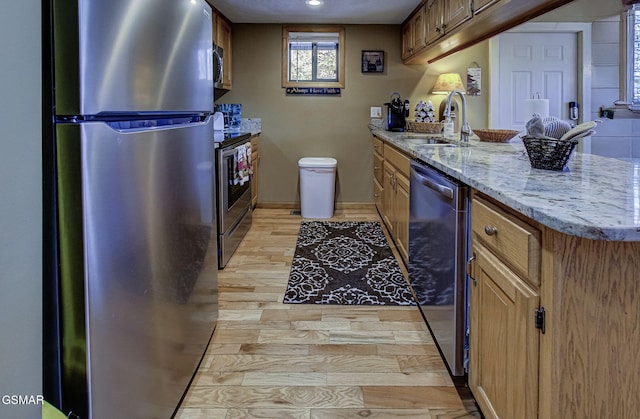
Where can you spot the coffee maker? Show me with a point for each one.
(397, 112)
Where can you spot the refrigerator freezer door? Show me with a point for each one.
(138, 235)
(132, 56)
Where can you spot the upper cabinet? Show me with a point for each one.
(434, 11)
(414, 34)
(462, 23)
(222, 38)
(456, 12)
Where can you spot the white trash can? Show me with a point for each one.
(317, 186)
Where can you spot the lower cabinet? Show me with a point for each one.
(504, 341)
(255, 162)
(391, 190)
(401, 215)
(554, 320)
(504, 347)
(378, 172)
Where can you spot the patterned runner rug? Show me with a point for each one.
(347, 263)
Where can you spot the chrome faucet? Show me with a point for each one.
(465, 129)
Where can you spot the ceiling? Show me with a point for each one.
(378, 11)
(332, 11)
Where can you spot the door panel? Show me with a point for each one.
(140, 207)
(124, 56)
(504, 343)
(530, 63)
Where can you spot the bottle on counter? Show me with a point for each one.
(448, 128)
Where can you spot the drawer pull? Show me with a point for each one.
(470, 271)
(490, 230)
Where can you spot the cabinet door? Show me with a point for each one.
(223, 37)
(378, 179)
(434, 15)
(504, 343)
(402, 216)
(418, 28)
(407, 40)
(456, 12)
(377, 195)
(255, 162)
(388, 196)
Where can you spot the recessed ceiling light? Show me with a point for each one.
(314, 2)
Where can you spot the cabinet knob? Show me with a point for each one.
(490, 230)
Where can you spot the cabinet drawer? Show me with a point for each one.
(511, 239)
(397, 159)
(378, 145)
(377, 167)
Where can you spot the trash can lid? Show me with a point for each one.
(317, 162)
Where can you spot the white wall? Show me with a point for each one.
(614, 137)
(20, 207)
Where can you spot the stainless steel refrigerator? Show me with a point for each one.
(131, 299)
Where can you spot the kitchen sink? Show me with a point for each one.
(427, 140)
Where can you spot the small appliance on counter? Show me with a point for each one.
(397, 112)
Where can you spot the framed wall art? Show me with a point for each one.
(372, 61)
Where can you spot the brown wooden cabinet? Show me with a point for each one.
(503, 339)
(578, 357)
(394, 200)
(378, 172)
(455, 13)
(414, 34)
(443, 17)
(222, 37)
(464, 23)
(255, 162)
(401, 215)
(434, 18)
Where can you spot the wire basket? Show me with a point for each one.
(425, 127)
(548, 153)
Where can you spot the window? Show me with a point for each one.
(633, 57)
(313, 57)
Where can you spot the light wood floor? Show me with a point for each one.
(273, 360)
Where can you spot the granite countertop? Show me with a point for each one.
(595, 197)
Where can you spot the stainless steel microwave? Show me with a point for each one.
(218, 66)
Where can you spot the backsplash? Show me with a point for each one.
(254, 125)
(618, 137)
(234, 111)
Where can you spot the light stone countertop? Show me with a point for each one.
(596, 197)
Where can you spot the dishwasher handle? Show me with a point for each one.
(430, 183)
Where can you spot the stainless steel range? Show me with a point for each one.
(233, 191)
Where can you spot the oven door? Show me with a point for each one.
(233, 198)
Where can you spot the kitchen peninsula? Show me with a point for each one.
(555, 318)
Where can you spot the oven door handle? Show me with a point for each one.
(231, 150)
(228, 152)
(441, 189)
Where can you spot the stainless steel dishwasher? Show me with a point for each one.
(438, 251)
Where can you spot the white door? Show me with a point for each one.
(530, 63)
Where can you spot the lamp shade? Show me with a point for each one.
(446, 83)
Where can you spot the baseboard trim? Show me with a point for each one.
(338, 205)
